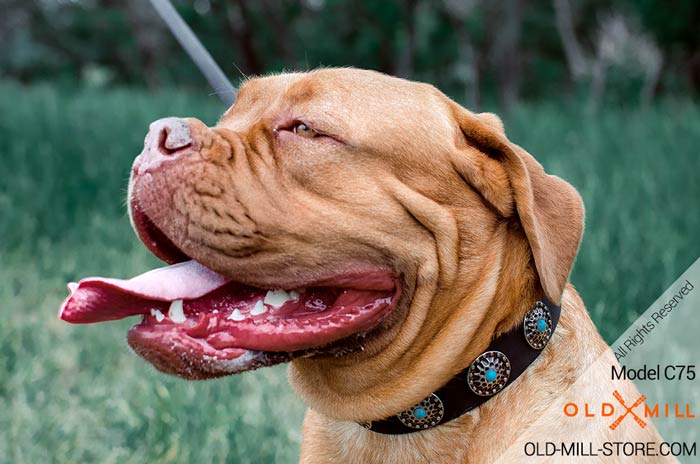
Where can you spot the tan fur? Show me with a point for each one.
(471, 222)
(528, 410)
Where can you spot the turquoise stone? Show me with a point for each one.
(541, 325)
(490, 375)
(420, 413)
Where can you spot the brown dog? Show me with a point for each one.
(403, 234)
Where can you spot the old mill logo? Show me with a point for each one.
(629, 410)
(621, 409)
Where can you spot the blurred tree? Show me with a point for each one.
(469, 60)
(407, 44)
(677, 31)
(576, 60)
(149, 34)
(477, 51)
(507, 21)
(239, 25)
(631, 52)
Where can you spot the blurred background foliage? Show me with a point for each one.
(475, 50)
(603, 93)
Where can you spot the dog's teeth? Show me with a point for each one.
(236, 315)
(259, 308)
(176, 313)
(277, 298)
(157, 314)
(294, 295)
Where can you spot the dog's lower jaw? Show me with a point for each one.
(338, 386)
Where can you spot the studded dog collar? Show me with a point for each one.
(493, 370)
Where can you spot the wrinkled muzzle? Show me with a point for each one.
(198, 322)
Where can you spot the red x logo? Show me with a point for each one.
(628, 410)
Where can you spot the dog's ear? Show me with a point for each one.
(549, 209)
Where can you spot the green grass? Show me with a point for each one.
(78, 394)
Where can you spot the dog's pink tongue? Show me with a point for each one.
(98, 299)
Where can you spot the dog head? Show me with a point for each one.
(392, 231)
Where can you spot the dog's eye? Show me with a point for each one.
(303, 130)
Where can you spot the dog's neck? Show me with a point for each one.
(515, 304)
(450, 327)
(519, 322)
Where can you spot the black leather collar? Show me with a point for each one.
(504, 360)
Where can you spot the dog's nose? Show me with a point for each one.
(170, 135)
(167, 138)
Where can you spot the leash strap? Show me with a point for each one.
(194, 48)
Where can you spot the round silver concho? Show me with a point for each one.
(537, 326)
(428, 413)
(488, 373)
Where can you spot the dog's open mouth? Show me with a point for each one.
(197, 323)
